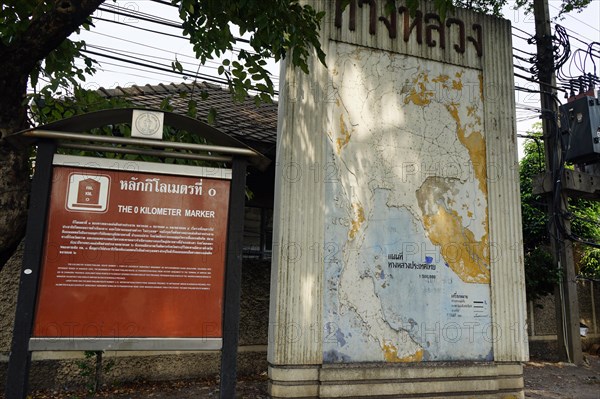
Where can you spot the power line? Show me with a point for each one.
(577, 19)
(521, 68)
(528, 107)
(233, 50)
(520, 37)
(129, 68)
(147, 63)
(141, 16)
(127, 53)
(578, 39)
(129, 56)
(536, 81)
(159, 68)
(215, 64)
(140, 28)
(162, 68)
(520, 30)
(153, 19)
(526, 89)
(522, 51)
(148, 46)
(518, 57)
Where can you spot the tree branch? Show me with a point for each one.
(49, 29)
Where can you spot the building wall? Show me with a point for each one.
(542, 321)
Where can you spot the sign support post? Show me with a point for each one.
(18, 367)
(233, 278)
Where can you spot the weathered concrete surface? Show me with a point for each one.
(9, 285)
(542, 321)
(67, 372)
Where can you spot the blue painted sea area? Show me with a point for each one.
(417, 292)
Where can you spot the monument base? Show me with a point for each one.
(434, 380)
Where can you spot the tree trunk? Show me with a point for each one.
(9, 287)
(14, 191)
(14, 161)
(48, 28)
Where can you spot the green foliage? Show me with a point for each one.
(585, 224)
(58, 68)
(493, 7)
(277, 29)
(541, 274)
(92, 369)
(46, 108)
(590, 264)
(566, 6)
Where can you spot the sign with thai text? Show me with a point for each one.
(438, 32)
(132, 254)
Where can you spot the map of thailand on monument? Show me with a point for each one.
(407, 251)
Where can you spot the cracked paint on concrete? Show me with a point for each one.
(419, 94)
(468, 257)
(404, 175)
(359, 219)
(390, 353)
(345, 133)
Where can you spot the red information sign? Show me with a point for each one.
(132, 254)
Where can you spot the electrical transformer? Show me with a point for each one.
(580, 122)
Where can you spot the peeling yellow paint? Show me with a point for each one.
(419, 95)
(467, 257)
(358, 221)
(472, 113)
(443, 79)
(390, 354)
(346, 134)
(475, 145)
(472, 260)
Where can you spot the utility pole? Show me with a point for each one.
(567, 304)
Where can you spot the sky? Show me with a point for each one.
(135, 39)
(126, 36)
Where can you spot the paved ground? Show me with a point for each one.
(543, 380)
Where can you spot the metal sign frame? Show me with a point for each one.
(226, 149)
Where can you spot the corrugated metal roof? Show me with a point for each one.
(255, 126)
